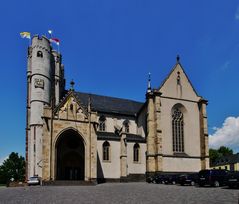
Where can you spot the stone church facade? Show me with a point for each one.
(72, 135)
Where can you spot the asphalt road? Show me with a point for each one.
(114, 193)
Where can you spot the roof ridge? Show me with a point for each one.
(172, 70)
(112, 97)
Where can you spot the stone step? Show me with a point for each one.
(68, 183)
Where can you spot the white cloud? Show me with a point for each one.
(3, 159)
(227, 135)
(237, 14)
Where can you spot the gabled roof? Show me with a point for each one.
(66, 98)
(113, 136)
(175, 66)
(110, 105)
(231, 159)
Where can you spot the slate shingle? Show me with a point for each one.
(110, 105)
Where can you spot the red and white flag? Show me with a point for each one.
(55, 40)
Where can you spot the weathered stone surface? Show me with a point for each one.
(119, 193)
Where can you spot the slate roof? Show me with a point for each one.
(232, 159)
(110, 105)
(115, 137)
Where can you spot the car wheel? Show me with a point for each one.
(192, 183)
(230, 186)
(216, 184)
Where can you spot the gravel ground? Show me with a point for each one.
(114, 193)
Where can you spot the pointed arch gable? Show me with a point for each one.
(66, 101)
(173, 89)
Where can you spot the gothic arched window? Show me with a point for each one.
(102, 126)
(106, 151)
(126, 126)
(39, 54)
(178, 130)
(71, 107)
(136, 152)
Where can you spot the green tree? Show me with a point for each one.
(13, 167)
(215, 154)
(225, 151)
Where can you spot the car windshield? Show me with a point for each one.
(204, 172)
(33, 178)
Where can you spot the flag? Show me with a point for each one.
(55, 40)
(25, 35)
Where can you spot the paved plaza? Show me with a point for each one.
(114, 193)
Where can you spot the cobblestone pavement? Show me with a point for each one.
(114, 193)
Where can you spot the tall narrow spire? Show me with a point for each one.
(72, 85)
(178, 58)
(149, 83)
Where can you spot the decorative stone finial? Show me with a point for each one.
(72, 85)
(178, 58)
(149, 83)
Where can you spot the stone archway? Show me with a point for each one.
(70, 156)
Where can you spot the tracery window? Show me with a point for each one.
(102, 126)
(106, 151)
(178, 130)
(136, 152)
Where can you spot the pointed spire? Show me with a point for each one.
(72, 85)
(149, 83)
(178, 58)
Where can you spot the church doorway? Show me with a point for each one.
(70, 156)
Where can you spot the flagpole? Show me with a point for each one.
(50, 33)
(59, 48)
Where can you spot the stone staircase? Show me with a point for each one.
(68, 183)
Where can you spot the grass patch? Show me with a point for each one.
(1, 184)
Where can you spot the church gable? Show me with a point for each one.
(71, 109)
(178, 85)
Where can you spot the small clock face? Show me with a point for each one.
(39, 83)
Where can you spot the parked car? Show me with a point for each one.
(159, 179)
(171, 179)
(34, 180)
(212, 177)
(233, 179)
(156, 179)
(188, 179)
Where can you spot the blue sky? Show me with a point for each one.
(110, 46)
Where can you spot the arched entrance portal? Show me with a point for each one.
(70, 156)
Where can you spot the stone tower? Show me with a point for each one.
(45, 84)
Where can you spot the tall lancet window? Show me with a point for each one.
(102, 126)
(136, 152)
(126, 126)
(177, 130)
(106, 151)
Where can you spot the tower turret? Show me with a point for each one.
(40, 71)
(58, 76)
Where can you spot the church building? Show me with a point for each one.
(72, 135)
